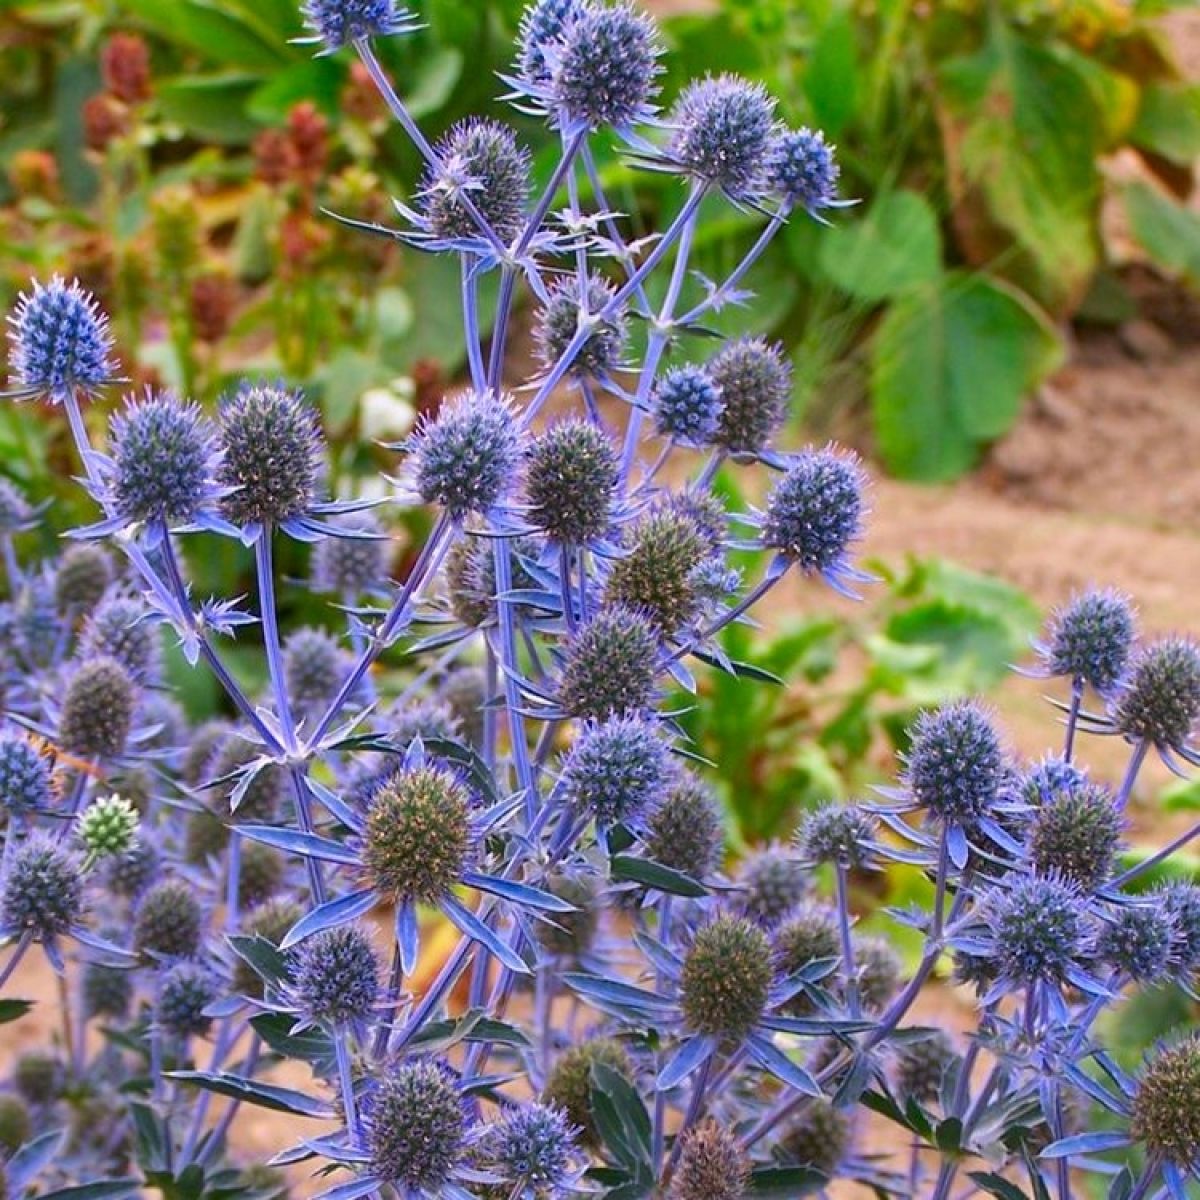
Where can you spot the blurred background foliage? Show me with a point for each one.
(179, 156)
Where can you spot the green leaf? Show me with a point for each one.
(13, 1010)
(621, 1118)
(832, 79)
(434, 82)
(1167, 231)
(896, 247)
(100, 1189)
(782, 1183)
(318, 80)
(654, 875)
(1168, 121)
(343, 379)
(950, 364)
(225, 35)
(211, 107)
(997, 1185)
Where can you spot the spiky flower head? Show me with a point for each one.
(726, 978)
(1161, 702)
(722, 134)
(130, 873)
(542, 25)
(1039, 928)
(26, 781)
(712, 1165)
(164, 459)
(1165, 1114)
(816, 510)
(685, 830)
(471, 575)
(339, 22)
(921, 1065)
(39, 1076)
(1076, 835)
(185, 992)
(569, 1086)
(414, 1126)
(271, 455)
(772, 882)
(261, 873)
(82, 577)
(337, 976)
(657, 573)
(755, 381)
(107, 991)
(42, 891)
(59, 342)
(879, 970)
(262, 799)
(168, 922)
(481, 160)
(108, 827)
(350, 566)
(616, 769)
(533, 1146)
(610, 665)
(467, 457)
(120, 628)
(1181, 902)
(1089, 639)
(16, 513)
(838, 833)
(569, 309)
(314, 668)
(818, 1138)
(204, 742)
(571, 476)
(602, 70)
(418, 834)
(97, 710)
(1048, 778)
(687, 405)
(802, 170)
(1139, 942)
(955, 765)
(34, 622)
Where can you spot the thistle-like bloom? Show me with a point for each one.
(600, 70)
(819, 1138)
(1160, 703)
(726, 979)
(168, 922)
(921, 1066)
(723, 130)
(97, 710)
(772, 882)
(1089, 640)
(1048, 778)
(542, 25)
(685, 830)
(41, 895)
(39, 1076)
(129, 874)
(687, 405)
(83, 575)
(1165, 1114)
(533, 1148)
(185, 993)
(615, 770)
(808, 937)
(60, 343)
(121, 628)
(572, 473)
(803, 172)
(466, 459)
(712, 1166)
(1181, 902)
(815, 514)
(163, 465)
(955, 765)
(569, 1087)
(271, 458)
(1139, 942)
(480, 159)
(609, 665)
(844, 834)
(26, 782)
(567, 310)
(314, 668)
(336, 976)
(353, 565)
(755, 381)
(335, 23)
(1076, 835)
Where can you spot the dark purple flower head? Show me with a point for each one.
(1089, 639)
(97, 710)
(542, 25)
(26, 782)
(534, 1146)
(169, 922)
(686, 830)
(185, 992)
(815, 512)
(107, 991)
(84, 572)
(602, 69)
(755, 382)
(120, 628)
(39, 1077)
(838, 833)
(164, 454)
(921, 1066)
(819, 1138)
(1076, 834)
(723, 129)
(336, 974)
(803, 172)
(481, 159)
(955, 764)
(42, 890)
(1165, 1114)
(572, 472)
(772, 882)
(1139, 941)
(60, 342)
(1160, 703)
(712, 1165)
(726, 978)
(467, 457)
(314, 668)
(610, 665)
(337, 22)
(1039, 929)
(687, 405)
(415, 1125)
(567, 310)
(272, 455)
(616, 769)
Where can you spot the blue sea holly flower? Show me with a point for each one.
(60, 343)
(687, 405)
(26, 776)
(334, 23)
(712, 1165)
(1089, 640)
(570, 307)
(542, 25)
(419, 839)
(533, 1150)
(803, 173)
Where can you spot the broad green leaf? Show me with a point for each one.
(654, 875)
(1167, 231)
(1009, 143)
(831, 81)
(224, 32)
(343, 379)
(318, 80)
(950, 365)
(1168, 121)
(896, 247)
(434, 82)
(212, 107)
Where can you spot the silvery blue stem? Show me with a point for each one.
(266, 603)
(849, 965)
(1136, 759)
(11, 566)
(694, 1109)
(764, 239)
(341, 1051)
(509, 666)
(470, 308)
(1073, 718)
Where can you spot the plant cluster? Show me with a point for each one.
(488, 909)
